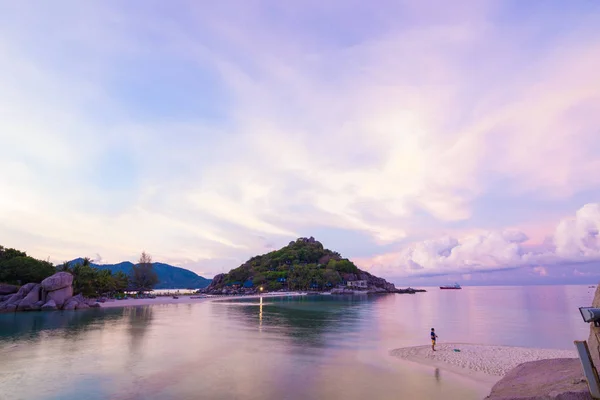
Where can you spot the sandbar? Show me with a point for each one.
(483, 363)
(159, 300)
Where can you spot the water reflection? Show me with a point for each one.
(313, 320)
(260, 314)
(512, 316)
(30, 325)
(139, 322)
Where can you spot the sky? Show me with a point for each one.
(429, 142)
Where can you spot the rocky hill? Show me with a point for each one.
(170, 277)
(303, 264)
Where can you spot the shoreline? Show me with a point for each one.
(163, 300)
(485, 364)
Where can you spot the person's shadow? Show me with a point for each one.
(437, 374)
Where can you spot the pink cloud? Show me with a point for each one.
(575, 239)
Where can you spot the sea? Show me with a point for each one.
(302, 347)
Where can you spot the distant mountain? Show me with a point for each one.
(170, 277)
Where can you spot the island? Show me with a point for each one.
(302, 265)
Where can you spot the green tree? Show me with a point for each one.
(24, 269)
(143, 277)
(331, 276)
(6, 254)
(92, 282)
(103, 282)
(64, 267)
(259, 280)
(273, 286)
(343, 266)
(85, 279)
(121, 281)
(242, 274)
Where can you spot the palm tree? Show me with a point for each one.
(64, 267)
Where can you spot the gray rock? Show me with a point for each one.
(37, 306)
(57, 281)
(70, 305)
(49, 306)
(17, 297)
(79, 298)
(554, 379)
(60, 296)
(81, 306)
(95, 305)
(25, 289)
(11, 307)
(32, 297)
(8, 289)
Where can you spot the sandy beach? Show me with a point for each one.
(188, 299)
(484, 363)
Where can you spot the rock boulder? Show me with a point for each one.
(17, 297)
(79, 298)
(60, 296)
(8, 289)
(216, 281)
(57, 281)
(49, 306)
(553, 379)
(71, 305)
(32, 297)
(25, 289)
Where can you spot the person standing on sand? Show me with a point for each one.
(433, 338)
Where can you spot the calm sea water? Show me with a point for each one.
(315, 347)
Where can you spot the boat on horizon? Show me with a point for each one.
(455, 286)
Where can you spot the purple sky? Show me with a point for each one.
(427, 141)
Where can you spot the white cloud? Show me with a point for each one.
(575, 240)
(487, 251)
(578, 238)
